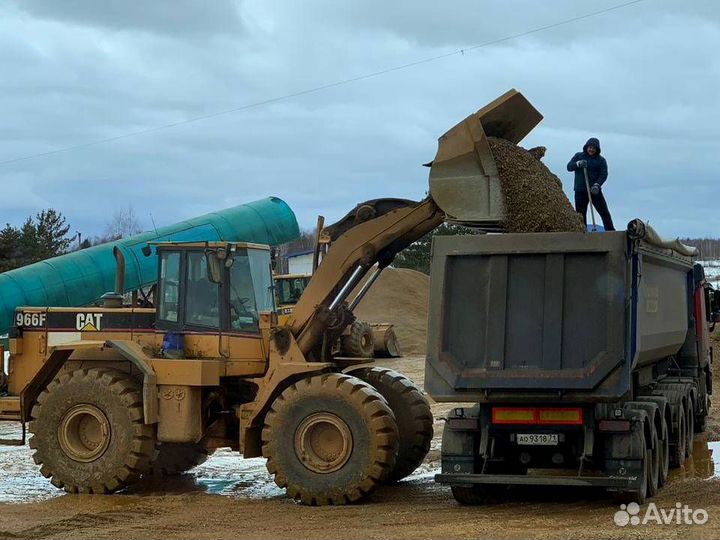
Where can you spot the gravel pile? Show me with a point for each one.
(534, 197)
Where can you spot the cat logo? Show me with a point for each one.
(88, 322)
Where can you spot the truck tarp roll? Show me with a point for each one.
(639, 230)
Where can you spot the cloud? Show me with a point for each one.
(641, 78)
(177, 17)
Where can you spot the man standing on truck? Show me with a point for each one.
(591, 161)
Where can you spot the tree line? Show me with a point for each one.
(46, 235)
(709, 247)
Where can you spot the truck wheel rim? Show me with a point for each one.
(323, 442)
(84, 433)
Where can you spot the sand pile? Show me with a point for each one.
(399, 297)
(534, 197)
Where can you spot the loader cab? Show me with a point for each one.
(213, 287)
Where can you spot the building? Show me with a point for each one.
(300, 262)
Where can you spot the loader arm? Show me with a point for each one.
(464, 188)
(373, 233)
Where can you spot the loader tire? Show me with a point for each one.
(360, 342)
(177, 458)
(88, 431)
(412, 413)
(330, 439)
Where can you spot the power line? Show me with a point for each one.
(320, 88)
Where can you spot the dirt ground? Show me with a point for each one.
(234, 498)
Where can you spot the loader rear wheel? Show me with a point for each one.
(330, 439)
(177, 458)
(412, 413)
(359, 343)
(88, 431)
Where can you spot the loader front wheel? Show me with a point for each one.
(88, 431)
(412, 413)
(330, 439)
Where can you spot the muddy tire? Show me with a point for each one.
(177, 458)
(654, 456)
(360, 342)
(677, 450)
(412, 413)
(330, 439)
(690, 426)
(664, 455)
(475, 495)
(88, 432)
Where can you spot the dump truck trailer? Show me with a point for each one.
(586, 358)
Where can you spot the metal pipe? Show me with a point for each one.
(366, 286)
(119, 270)
(347, 288)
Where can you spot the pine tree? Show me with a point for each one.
(51, 234)
(9, 248)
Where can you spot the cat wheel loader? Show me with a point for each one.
(361, 339)
(111, 394)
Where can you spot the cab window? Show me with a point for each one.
(243, 308)
(169, 292)
(201, 295)
(290, 290)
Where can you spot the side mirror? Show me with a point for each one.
(214, 267)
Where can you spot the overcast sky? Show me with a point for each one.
(644, 79)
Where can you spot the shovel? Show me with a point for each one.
(590, 203)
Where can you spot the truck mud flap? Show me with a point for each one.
(522, 480)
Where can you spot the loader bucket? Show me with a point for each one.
(464, 180)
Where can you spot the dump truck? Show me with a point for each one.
(585, 356)
(111, 394)
(361, 339)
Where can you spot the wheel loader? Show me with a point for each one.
(361, 339)
(111, 394)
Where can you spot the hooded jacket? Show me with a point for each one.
(596, 166)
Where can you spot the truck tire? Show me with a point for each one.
(664, 454)
(690, 425)
(177, 458)
(653, 455)
(88, 431)
(359, 342)
(678, 441)
(330, 439)
(701, 423)
(412, 413)
(475, 495)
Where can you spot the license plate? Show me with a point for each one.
(546, 439)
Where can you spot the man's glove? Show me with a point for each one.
(595, 189)
(581, 164)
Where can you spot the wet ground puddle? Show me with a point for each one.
(225, 473)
